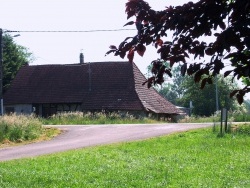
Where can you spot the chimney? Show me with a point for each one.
(81, 58)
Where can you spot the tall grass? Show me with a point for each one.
(239, 116)
(17, 128)
(85, 118)
(200, 119)
(243, 129)
(233, 116)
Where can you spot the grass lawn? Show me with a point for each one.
(192, 159)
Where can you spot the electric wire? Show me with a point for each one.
(67, 31)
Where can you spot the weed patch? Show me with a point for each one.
(23, 129)
(85, 118)
(232, 117)
(17, 128)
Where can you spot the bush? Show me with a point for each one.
(243, 129)
(19, 127)
(239, 117)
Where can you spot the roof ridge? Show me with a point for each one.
(75, 64)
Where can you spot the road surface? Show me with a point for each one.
(80, 136)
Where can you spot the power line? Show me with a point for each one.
(67, 31)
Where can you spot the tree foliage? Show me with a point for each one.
(174, 90)
(225, 22)
(169, 94)
(14, 56)
(181, 90)
(247, 103)
(204, 101)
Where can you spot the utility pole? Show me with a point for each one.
(216, 94)
(1, 71)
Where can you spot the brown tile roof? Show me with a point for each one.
(46, 84)
(108, 85)
(150, 98)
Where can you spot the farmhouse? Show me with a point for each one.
(109, 86)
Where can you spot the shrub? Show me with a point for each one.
(243, 129)
(19, 127)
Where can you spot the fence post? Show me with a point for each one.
(226, 127)
(221, 120)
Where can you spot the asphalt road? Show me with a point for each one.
(79, 136)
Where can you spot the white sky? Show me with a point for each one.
(79, 15)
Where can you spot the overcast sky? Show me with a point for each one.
(73, 15)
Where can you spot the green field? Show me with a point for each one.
(192, 159)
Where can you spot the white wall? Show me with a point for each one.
(21, 108)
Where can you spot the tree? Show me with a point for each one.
(182, 90)
(170, 91)
(204, 101)
(167, 93)
(225, 22)
(247, 103)
(178, 79)
(14, 57)
(173, 90)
